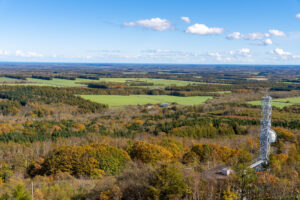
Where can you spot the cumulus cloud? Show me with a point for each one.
(216, 55)
(156, 24)
(254, 36)
(234, 36)
(202, 29)
(239, 55)
(280, 52)
(277, 33)
(186, 19)
(28, 54)
(244, 51)
(157, 51)
(284, 54)
(268, 41)
(296, 56)
(248, 36)
(263, 38)
(4, 53)
(298, 16)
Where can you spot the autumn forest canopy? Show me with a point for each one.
(146, 131)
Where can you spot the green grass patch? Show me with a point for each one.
(280, 103)
(157, 83)
(119, 100)
(6, 79)
(223, 92)
(59, 82)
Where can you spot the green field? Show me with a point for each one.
(59, 82)
(158, 83)
(6, 79)
(280, 103)
(41, 82)
(224, 92)
(118, 100)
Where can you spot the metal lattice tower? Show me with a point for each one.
(267, 135)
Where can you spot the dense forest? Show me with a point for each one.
(55, 144)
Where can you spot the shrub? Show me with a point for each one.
(149, 153)
(134, 181)
(89, 160)
(9, 107)
(111, 159)
(205, 152)
(168, 183)
(173, 146)
(285, 134)
(17, 193)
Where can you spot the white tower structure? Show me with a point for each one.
(267, 135)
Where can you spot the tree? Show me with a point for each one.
(17, 193)
(229, 195)
(149, 153)
(168, 183)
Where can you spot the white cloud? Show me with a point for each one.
(202, 29)
(298, 16)
(284, 54)
(267, 35)
(268, 41)
(4, 53)
(263, 38)
(244, 51)
(280, 52)
(277, 33)
(28, 54)
(234, 36)
(240, 55)
(254, 36)
(186, 19)
(156, 24)
(296, 56)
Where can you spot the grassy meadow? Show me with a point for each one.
(158, 83)
(280, 103)
(118, 100)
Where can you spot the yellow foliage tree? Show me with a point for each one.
(149, 153)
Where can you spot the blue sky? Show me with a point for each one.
(156, 31)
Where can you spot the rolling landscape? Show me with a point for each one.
(90, 133)
(149, 100)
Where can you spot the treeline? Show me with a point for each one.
(106, 85)
(16, 76)
(144, 170)
(48, 130)
(48, 95)
(9, 107)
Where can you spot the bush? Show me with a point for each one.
(168, 183)
(134, 181)
(89, 160)
(284, 134)
(17, 193)
(9, 107)
(206, 152)
(149, 153)
(173, 146)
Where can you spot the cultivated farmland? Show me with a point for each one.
(119, 100)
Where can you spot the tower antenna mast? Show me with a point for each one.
(267, 136)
